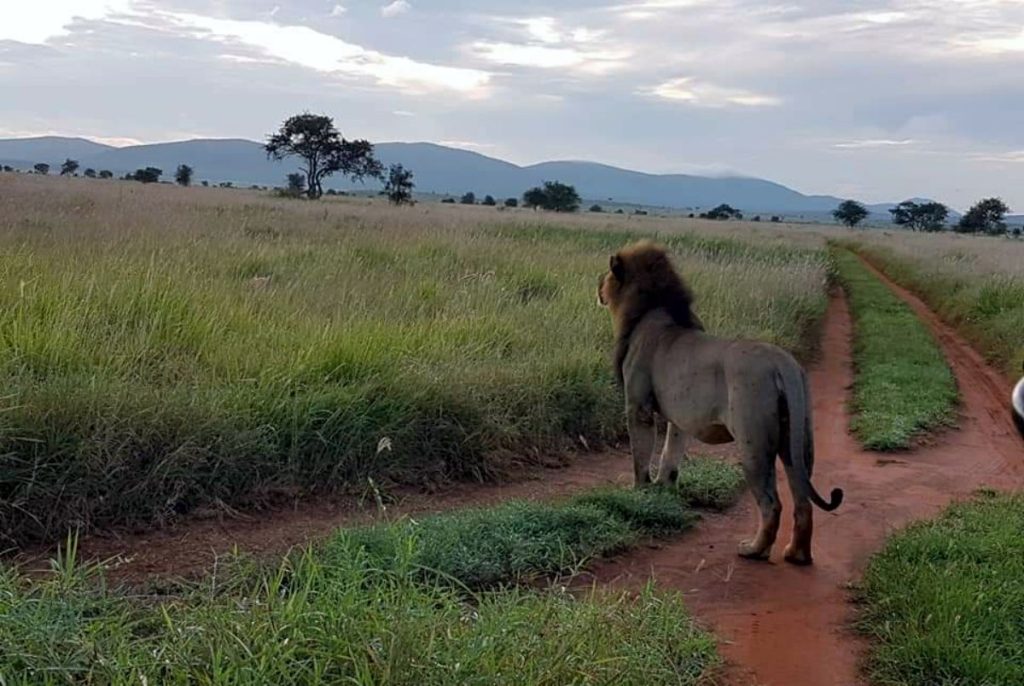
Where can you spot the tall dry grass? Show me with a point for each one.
(163, 348)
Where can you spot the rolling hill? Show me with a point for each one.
(438, 169)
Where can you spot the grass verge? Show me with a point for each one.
(520, 540)
(412, 602)
(903, 386)
(983, 303)
(341, 619)
(944, 600)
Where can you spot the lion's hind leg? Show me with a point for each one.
(759, 470)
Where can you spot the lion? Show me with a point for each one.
(712, 389)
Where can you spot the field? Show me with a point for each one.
(170, 353)
(975, 284)
(168, 349)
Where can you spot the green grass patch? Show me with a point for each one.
(339, 618)
(903, 386)
(410, 602)
(710, 483)
(944, 601)
(983, 304)
(516, 541)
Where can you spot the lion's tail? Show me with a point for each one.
(795, 412)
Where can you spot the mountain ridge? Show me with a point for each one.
(439, 170)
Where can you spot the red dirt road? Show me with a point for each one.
(779, 625)
(782, 625)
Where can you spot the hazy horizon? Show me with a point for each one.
(873, 99)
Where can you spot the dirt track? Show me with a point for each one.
(779, 625)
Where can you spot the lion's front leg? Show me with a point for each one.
(672, 455)
(643, 434)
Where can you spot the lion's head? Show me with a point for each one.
(641, 278)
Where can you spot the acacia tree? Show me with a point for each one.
(42, 168)
(106, 174)
(183, 175)
(314, 139)
(850, 212)
(69, 167)
(722, 212)
(560, 197)
(927, 216)
(399, 185)
(89, 173)
(985, 216)
(147, 175)
(554, 196)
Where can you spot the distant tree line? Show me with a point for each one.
(987, 217)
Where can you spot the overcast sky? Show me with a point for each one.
(874, 99)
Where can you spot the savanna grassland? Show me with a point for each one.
(976, 284)
(165, 349)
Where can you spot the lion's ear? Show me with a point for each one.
(618, 269)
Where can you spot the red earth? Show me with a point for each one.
(778, 625)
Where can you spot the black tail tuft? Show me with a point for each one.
(835, 501)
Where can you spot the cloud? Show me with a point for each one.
(995, 45)
(322, 52)
(545, 57)
(469, 145)
(689, 90)
(40, 21)
(873, 143)
(338, 10)
(395, 9)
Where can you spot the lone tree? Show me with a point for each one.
(106, 174)
(314, 139)
(42, 168)
(554, 196)
(722, 212)
(985, 217)
(89, 173)
(183, 175)
(850, 213)
(468, 199)
(399, 185)
(147, 175)
(561, 197)
(926, 216)
(69, 167)
(511, 202)
(596, 208)
(489, 201)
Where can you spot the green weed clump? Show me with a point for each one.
(903, 386)
(164, 349)
(943, 601)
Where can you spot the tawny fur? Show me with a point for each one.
(715, 390)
